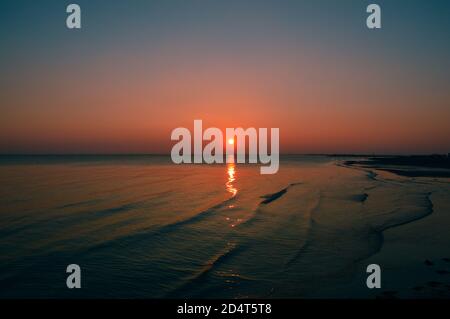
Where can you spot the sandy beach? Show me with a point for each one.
(415, 255)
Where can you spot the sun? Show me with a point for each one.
(231, 141)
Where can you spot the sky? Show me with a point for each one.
(139, 69)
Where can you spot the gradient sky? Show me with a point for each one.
(138, 69)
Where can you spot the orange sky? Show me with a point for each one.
(340, 91)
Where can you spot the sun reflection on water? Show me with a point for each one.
(231, 178)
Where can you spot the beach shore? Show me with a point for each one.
(143, 228)
(415, 256)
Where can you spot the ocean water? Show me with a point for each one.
(142, 227)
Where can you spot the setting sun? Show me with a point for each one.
(231, 141)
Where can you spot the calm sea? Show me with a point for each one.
(142, 227)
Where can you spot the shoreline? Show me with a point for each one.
(409, 272)
(410, 166)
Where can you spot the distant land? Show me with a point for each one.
(412, 166)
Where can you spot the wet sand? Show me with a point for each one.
(415, 256)
(410, 166)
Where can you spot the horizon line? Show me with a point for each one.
(168, 154)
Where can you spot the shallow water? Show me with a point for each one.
(142, 227)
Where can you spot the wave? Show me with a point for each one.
(395, 217)
(158, 231)
(201, 276)
(309, 239)
(196, 218)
